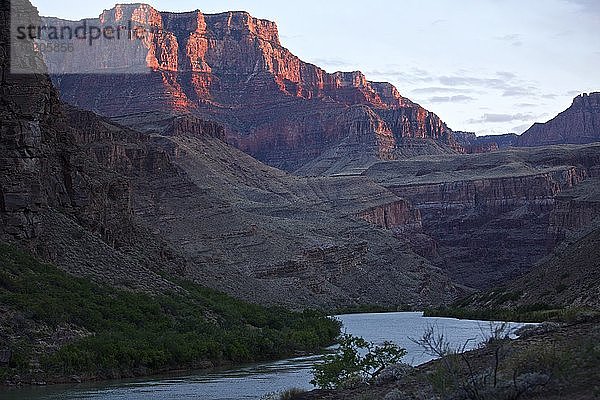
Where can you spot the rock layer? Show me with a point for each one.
(397, 216)
(575, 210)
(232, 68)
(55, 201)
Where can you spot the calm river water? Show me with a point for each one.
(254, 381)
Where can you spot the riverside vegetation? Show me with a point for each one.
(115, 333)
(529, 313)
(355, 361)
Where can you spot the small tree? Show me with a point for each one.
(355, 359)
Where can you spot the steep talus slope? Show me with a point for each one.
(261, 234)
(493, 215)
(579, 124)
(568, 278)
(232, 68)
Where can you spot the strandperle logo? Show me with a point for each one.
(84, 32)
(42, 45)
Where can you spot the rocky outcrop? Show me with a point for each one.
(191, 125)
(34, 155)
(269, 237)
(569, 278)
(398, 216)
(579, 124)
(55, 200)
(575, 210)
(493, 194)
(224, 209)
(232, 68)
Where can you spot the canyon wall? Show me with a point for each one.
(576, 210)
(232, 68)
(55, 201)
(397, 216)
(171, 201)
(34, 155)
(494, 216)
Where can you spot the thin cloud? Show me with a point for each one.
(291, 37)
(439, 89)
(506, 82)
(451, 99)
(468, 81)
(517, 91)
(514, 39)
(439, 22)
(564, 33)
(413, 75)
(591, 6)
(331, 62)
(506, 74)
(503, 118)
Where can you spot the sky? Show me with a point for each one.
(484, 66)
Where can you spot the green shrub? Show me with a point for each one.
(355, 360)
(290, 394)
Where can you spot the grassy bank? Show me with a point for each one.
(122, 333)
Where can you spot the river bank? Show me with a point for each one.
(551, 361)
(57, 328)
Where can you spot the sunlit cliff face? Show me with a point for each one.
(232, 68)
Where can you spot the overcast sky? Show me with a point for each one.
(487, 66)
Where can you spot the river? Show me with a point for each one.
(252, 382)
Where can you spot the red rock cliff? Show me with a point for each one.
(232, 68)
